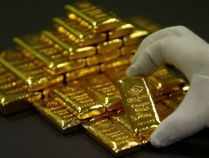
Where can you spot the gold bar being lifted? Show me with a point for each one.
(98, 22)
(139, 105)
(78, 34)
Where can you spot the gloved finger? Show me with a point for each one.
(159, 35)
(149, 59)
(190, 117)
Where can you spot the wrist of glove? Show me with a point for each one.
(181, 48)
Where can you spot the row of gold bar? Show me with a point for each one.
(74, 75)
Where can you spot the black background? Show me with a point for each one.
(27, 135)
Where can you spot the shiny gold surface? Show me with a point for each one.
(69, 73)
(138, 104)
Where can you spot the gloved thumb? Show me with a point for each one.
(190, 117)
(147, 61)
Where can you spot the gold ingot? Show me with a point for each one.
(72, 50)
(113, 134)
(130, 49)
(80, 99)
(50, 109)
(135, 37)
(109, 46)
(103, 58)
(121, 31)
(41, 79)
(138, 104)
(77, 33)
(56, 61)
(104, 90)
(92, 17)
(76, 74)
(122, 61)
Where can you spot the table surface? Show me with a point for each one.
(29, 135)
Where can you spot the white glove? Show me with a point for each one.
(180, 47)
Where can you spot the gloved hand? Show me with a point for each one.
(180, 47)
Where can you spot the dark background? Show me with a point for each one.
(27, 135)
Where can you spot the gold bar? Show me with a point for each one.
(76, 74)
(33, 73)
(138, 104)
(35, 53)
(122, 61)
(78, 34)
(109, 46)
(103, 58)
(114, 135)
(80, 100)
(104, 90)
(130, 49)
(58, 113)
(121, 31)
(55, 59)
(72, 50)
(92, 17)
(135, 37)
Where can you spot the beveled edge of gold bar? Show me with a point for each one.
(76, 11)
(15, 71)
(72, 30)
(52, 37)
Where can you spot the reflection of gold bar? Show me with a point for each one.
(114, 135)
(80, 100)
(109, 46)
(89, 16)
(82, 72)
(131, 49)
(135, 38)
(138, 104)
(103, 58)
(121, 31)
(78, 34)
(58, 113)
(104, 89)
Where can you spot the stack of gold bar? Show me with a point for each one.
(73, 74)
